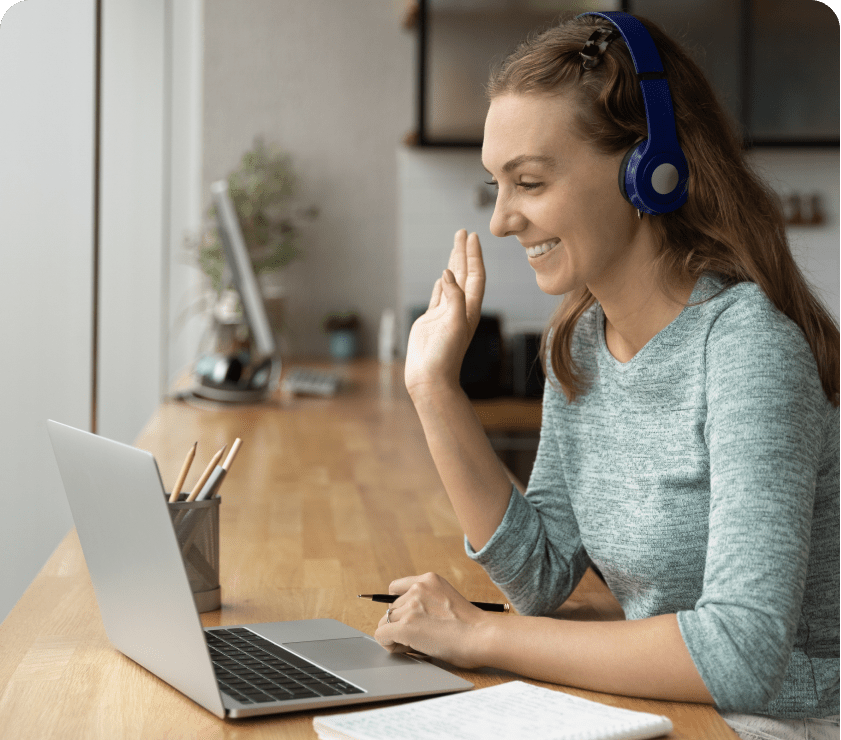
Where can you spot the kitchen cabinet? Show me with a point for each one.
(774, 63)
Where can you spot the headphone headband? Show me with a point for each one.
(654, 173)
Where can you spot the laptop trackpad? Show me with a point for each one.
(348, 652)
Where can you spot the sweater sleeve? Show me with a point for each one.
(765, 415)
(535, 556)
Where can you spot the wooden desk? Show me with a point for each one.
(327, 499)
(509, 414)
(513, 428)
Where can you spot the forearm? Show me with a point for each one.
(472, 474)
(646, 658)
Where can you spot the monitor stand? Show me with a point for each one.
(232, 380)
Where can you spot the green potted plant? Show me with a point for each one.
(263, 191)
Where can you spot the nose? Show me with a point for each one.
(506, 219)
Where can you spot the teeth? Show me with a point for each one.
(540, 249)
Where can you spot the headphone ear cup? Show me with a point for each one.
(623, 172)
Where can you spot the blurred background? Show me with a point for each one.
(117, 115)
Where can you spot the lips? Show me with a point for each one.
(539, 249)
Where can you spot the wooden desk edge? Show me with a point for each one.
(509, 414)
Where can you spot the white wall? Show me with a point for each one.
(816, 248)
(46, 232)
(333, 84)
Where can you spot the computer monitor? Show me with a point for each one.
(245, 283)
(239, 378)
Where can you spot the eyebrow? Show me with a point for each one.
(513, 164)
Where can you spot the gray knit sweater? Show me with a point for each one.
(702, 478)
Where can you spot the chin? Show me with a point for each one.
(552, 285)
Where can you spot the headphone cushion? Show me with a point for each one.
(653, 181)
(623, 170)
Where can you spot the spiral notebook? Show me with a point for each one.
(514, 709)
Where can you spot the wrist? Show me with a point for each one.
(485, 638)
(434, 392)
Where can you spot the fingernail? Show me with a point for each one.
(448, 277)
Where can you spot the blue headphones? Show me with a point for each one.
(654, 172)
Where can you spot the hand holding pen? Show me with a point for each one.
(483, 605)
(431, 617)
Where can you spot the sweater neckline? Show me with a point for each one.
(670, 335)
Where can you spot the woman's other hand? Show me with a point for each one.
(431, 617)
(440, 337)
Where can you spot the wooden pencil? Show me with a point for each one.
(232, 454)
(206, 474)
(182, 476)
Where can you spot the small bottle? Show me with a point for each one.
(386, 337)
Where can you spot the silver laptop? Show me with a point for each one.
(121, 516)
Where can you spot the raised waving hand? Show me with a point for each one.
(440, 337)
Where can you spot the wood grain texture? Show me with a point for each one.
(509, 414)
(328, 498)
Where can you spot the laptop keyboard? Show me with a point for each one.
(254, 670)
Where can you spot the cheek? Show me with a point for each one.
(606, 194)
(588, 205)
(605, 215)
(600, 185)
(595, 204)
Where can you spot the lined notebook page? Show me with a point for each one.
(514, 709)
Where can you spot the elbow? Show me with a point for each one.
(752, 696)
(529, 600)
(742, 655)
(545, 583)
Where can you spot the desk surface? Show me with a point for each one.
(327, 498)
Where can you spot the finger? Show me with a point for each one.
(389, 617)
(389, 635)
(402, 585)
(385, 635)
(454, 294)
(458, 257)
(474, 284)
(396, 647)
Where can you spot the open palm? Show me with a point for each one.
(440, 337)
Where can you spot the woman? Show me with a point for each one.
(689, 446)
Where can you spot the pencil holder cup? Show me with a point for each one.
(196, 526)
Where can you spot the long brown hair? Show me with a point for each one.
(732, 222)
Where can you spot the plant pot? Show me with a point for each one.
(343, 344)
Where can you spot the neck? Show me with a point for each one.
(638, 305)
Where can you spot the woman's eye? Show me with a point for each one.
(523, 185)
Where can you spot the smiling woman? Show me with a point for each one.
(690, 425)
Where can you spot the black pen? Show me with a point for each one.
(390, 598)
